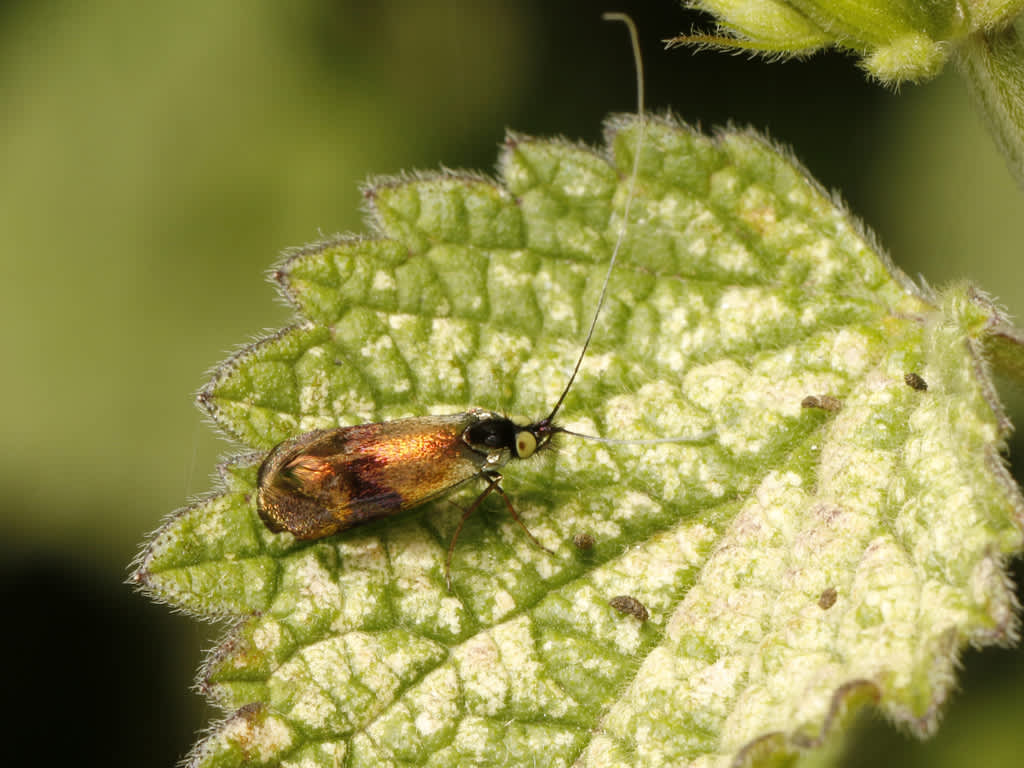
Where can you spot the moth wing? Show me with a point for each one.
(327, 481)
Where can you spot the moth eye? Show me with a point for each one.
(526, 444)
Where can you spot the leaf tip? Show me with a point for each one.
(205, 397)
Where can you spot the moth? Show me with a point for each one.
(327, 481)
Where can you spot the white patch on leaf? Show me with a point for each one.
(851, 353)
(383, 281)
(373, 349)
(265, 741)
(267, 637)
(316, 590)
(435, 701)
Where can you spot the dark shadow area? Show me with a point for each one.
(97, 674)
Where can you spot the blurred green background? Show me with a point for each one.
(156, 158)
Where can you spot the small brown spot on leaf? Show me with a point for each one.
(630, 605)
(827, 598)
(583, 541)
(829, 403)
(914, 381)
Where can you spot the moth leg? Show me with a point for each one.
(493, 484)
(515, 515)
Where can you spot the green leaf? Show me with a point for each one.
(837, 541)
(897, 41)
(992, 63)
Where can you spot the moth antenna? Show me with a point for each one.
(639, 67)
(700, 437)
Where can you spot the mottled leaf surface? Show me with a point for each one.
(837, 539)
